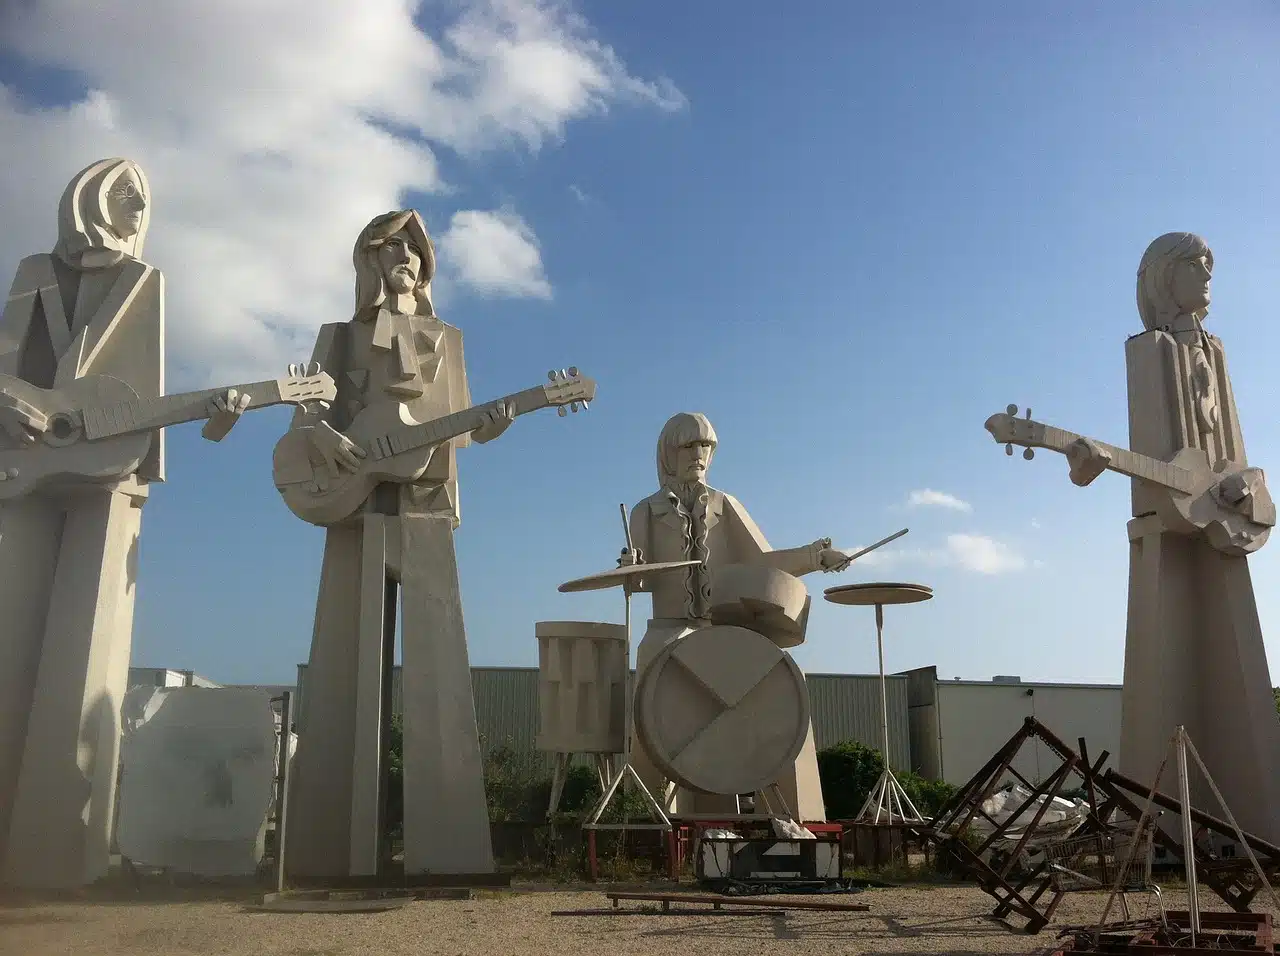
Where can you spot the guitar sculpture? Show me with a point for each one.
(397, 448)
(97, 429)
(1231, 505)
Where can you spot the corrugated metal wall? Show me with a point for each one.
(844, 707)
(847, 707)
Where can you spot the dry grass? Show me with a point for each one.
(937, 920)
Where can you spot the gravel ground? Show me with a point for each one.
(938, 920)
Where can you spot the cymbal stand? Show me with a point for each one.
(625, 769)
(887, 793)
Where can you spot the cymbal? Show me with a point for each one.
(878, 592)
(614, 577)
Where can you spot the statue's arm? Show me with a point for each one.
(752, 545)
(15, 321)
(330, 354)
(640, 541)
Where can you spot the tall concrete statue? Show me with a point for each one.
(1194, 654)
(68, 549)
(686, 519)
(395, 360)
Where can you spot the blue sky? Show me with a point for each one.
(847, 233)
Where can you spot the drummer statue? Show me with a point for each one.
(686, 519)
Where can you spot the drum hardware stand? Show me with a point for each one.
(656, 811)
(887, 798)
(887, 792)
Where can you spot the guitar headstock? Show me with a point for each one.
(307, 384)
(569, 388)
(1009, 430)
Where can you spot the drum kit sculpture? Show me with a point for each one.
(709, 728)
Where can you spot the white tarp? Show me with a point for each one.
(1060, 819)
(197, 778)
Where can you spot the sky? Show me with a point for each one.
(848, 234)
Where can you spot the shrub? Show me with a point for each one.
(849, 771)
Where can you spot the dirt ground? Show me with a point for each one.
(939, 920)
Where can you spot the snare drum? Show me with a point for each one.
(722, 710)
(762, 599)
(582, 672)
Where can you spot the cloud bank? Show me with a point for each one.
(273, 130)
(928, 498)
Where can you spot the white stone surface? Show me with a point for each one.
(197, 783)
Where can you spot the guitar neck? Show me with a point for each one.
(149, 414)
(1126, 462)
(451, 426)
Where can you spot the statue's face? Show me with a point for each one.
(1191, 285)
(400, 260)
(126, 204)
(693, 460)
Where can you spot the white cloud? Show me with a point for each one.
(273, 130)
(495, 253)
(927, 498)
(578, 194)
(975, 552)
(968, 552)
(1035, 523)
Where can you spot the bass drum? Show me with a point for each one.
(722, 710)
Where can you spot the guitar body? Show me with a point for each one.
(60, 456)
(313, 493)
(1234, 530)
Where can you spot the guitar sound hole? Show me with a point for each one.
(62, 428)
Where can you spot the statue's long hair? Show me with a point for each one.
(689, 503)
(1156, 303)
(86, 239)
(682, 429)
(371, 287)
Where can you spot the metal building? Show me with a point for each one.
(844, 707)
(956, 725)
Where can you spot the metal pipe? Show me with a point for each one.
(282, 785)
(1188, 835)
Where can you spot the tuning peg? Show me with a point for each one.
(293, 370)
(1028, 453)
(1008, 449)
(561, 411)
(552, 375)
(573, 371)
(585, 405)
(1011, 410)
(573, 407)
(563, 374)
(1028, 416)
(313, 368)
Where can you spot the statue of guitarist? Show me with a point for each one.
(1194, 653)
(68, 556)
(394, 351)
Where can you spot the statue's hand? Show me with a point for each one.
(1087, 460)
(20, 420)
(224, 411)
(833, 559)
(630, 557)
(1246, 492)
(498, 418)
(338, 451)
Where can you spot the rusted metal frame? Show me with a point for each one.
(1036, 794)
(1150, 943)
(1058, 779)
(963, 797)
(1222, 879)
(991, 881)
(1221, 827)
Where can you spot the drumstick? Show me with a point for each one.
(626, 525)
(882, 541)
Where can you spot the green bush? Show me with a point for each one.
(849, 771)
